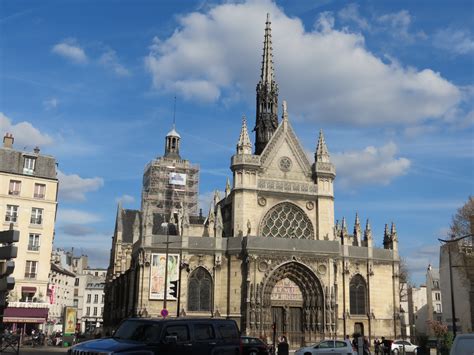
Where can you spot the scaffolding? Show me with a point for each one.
(166, 195)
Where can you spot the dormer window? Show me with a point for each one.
(29, 165)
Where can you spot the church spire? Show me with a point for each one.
(172, 144)
(322, 154)
(266, 76)
(267, 95)
(357, 232)
(244, 146)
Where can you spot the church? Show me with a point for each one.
(267, 254)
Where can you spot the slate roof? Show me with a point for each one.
(12, 161)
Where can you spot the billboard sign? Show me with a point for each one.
(157, 275)
(177, 179)
(70, 319)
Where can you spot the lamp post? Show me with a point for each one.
(166, 225)
(453, 308)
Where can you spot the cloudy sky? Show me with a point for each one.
(390, 83)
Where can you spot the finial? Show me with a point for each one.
(244, 146)
(322, 154)
(285, 110)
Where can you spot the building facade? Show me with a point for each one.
(458, 294)
(269, 252)
(28, 203)
(60, 290)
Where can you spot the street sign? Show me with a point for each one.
(164, 313)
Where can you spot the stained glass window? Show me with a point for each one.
(358, 295)
(287, 220)
(199, 290)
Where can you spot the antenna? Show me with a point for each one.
(174, 112)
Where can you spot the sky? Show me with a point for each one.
(389, 82)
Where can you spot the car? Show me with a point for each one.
(186, 336)
(398, 345)
(328, 347)
(463, 344)
(253, 346)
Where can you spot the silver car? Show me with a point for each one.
(328, 347)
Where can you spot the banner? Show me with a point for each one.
(177, 179)
(70, 319)
(157, 275)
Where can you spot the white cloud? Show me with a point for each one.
(68, 216)
(350, 13)
(125, 199)
(51, 103)
(455, 41)
(369, 166)
(110, 60)
(399, 24)
(70, 50)
(324, 74)
(74, 188)
(25, 135)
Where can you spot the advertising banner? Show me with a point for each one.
(157, 275)
(177, 179)
(70, 319)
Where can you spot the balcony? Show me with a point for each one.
(39, 196)
(14, 192)
(11, 218)
(30, 275)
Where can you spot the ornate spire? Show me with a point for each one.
(386, 238)
(227, 187)
(267, 74)
(322, 154)
(244, 146)
(344, 234)
(267, 96)
(357, 232)
(368, 235)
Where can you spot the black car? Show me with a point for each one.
(253, 346)
(185, 336)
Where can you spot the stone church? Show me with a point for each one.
(267, 254)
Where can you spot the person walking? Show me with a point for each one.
(283, 346)
(377, 346)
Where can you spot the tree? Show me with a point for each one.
(460, 224)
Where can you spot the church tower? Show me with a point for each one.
(267, 96)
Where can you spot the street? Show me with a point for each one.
(40, 350)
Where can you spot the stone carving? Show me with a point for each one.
(249, 227)
(309, 205)
(262, 201)
(288, 186)
(285, 164)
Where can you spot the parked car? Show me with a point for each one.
(397, 347)
(463, 344)
(186, 336)
(328, 347)
(253, 346)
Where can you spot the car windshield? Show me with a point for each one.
(138, 330)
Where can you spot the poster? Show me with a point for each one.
(177, 179)
(70, 318)
(157, 275)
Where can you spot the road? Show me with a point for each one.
(40, 350)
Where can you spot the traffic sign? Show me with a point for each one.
(164, 313)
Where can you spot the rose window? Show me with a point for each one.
(286, 220)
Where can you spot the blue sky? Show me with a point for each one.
(390, 83)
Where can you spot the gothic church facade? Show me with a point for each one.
(268, 253)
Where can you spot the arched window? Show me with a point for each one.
(358, 295)
(199, 290)
(287, 220)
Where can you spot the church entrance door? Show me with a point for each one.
(293, 297)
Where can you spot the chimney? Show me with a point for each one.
(8, 140)
(36, 150)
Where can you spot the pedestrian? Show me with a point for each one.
(283, 347)
(366, 346)
(377, 346)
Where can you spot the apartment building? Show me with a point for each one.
(28, 203)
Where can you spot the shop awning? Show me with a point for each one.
(25, 315)
(28, 289)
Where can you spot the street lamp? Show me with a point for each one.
(166, 225)
(453, 309)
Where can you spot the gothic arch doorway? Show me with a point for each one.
(293, 300)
